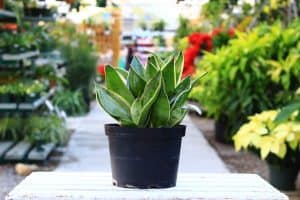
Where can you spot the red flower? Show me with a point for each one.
(101, 70)
(217, 31)
(207, 42)
(195, 38)
(231, 32)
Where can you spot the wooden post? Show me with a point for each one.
(1, 4)
(116, 34)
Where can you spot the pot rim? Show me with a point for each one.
(115, 130)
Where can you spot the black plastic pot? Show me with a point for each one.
(37, 12)
(283, 178)
(144, 157)
(31, 98)
(4, 98)
(221, 127)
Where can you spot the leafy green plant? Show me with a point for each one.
(23, 87)
(69, 101)
(11, 128)
(277, 143)
(148, 96)
(81, 62)
(184, 28)
(257, 71)
(159, 25)
(159, 40)
(45, 129)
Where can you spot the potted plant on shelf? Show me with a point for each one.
(149, 103)
(4, 95)
(33, 91)
(276, 142)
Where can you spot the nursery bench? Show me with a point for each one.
(83, 186)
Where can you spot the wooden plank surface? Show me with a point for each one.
(18, 152)
(39, 155)
(4, 147)
(88, 186)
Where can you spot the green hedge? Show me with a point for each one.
(258, 70)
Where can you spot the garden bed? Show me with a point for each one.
(236, 162)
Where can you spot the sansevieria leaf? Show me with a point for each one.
(135, 83)
(136, 112)
(169, 75)
(122, 72)
(152, 89)
(115, 83)
(151, 69)
(113, 104)
(147, 96)
(140, 109)
(176, 116)
(160, 114)
(179, 60)
(137, 66)
(183, 85)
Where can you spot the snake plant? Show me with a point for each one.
(151, 95)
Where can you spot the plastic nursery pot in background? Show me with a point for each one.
(283, 178)
(144, 157)
(4, 98)
(221, 128)
(31, 98)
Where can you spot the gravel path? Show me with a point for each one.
(8, 179)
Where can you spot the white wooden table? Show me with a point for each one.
(98, 186)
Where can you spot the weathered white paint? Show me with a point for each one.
(98, 186)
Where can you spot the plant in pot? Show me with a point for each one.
(276, 142)
(4, 95)
(33, 91)
(149, 103)
(40, 130)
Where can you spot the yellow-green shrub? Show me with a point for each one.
(267, 136)
(257, 71)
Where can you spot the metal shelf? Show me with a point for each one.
(27, 106)
(19, 56)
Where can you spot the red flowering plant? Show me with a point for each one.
(221, 36)
(101, 70)
(199, 42)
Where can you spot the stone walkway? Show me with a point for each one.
(88, 147)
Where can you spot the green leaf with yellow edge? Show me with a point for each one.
(113, 103)
(141, 106)
(152, 89)
(136, 113)
(151, 69)
(179, 61)
(183, 85)
(122, 72)
(181, 99)
(169, 76)
(161, 110)
(135, 83)
(176, 116)
(137, 66)
(115, 83)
